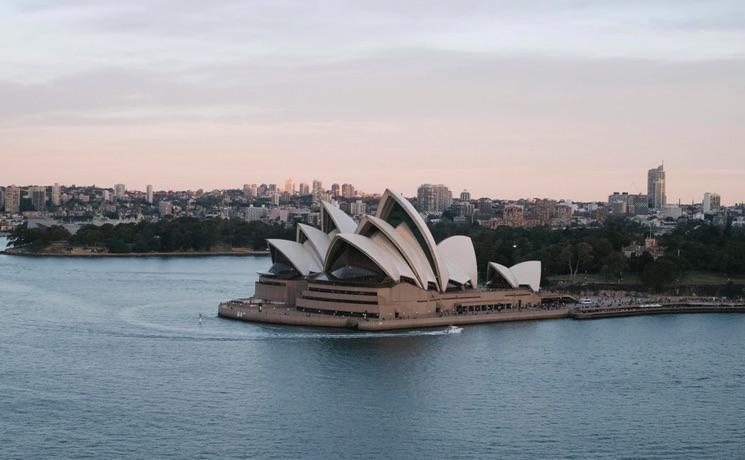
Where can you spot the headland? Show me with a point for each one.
(386, 272)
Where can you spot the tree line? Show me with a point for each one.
(599, 250)
(572, 251)
(183, 234)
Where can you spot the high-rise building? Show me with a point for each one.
(335, 190)
(106, 195)
(358, 208)
(2, 199)
(317, 187)
(56, 194)
(656, 188)
(38, 198)
(149, 194)
(304, 189)
(434, 198)
(347, 190)
(119, 191)
(712, 202)
(12, 199)
(289, 186)
(465, 195)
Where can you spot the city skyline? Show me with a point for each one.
(354, 190)
(474, 95)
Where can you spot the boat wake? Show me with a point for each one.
(177, 322)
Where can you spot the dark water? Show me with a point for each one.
(105, 358)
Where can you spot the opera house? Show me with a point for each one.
(384, 272)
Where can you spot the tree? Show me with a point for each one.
(661, 273)
(574, 255)
(613, 266)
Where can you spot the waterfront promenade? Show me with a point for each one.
(253, 311)
(657, 309)
(259, 312)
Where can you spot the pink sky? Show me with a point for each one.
(470, 96)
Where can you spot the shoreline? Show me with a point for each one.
(287, 316)
(12, 252)
(247, 310)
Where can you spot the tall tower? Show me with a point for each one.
(290, 186)
(656, 187)
(149, 194)
(12, 199)
(119, 191)
(38, 198)
(56, 194)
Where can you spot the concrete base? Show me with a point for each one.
(281, 314)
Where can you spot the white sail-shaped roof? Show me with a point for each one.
(384, 257)
(316, 239)
(334, 219)
(523, 274)
(297, 254)
(391, 201)
(458, 253)
(401, 265)
(528, 274)
(504, 272)
(405, 244)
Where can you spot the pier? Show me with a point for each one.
(657, 309)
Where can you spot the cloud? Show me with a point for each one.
(397, 86)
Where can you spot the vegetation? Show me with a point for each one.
(182, 234)
(693, 251)
(597, 251)
(37, 238)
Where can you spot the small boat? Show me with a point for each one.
(453, 330)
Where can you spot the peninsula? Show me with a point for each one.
(386, 272)
(182, 236)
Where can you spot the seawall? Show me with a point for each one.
(277, 314)
(666, 309)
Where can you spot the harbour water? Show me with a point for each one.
(106, 358)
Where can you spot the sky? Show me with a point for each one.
(509, 99)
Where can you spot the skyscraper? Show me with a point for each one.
(347, 190)
(656, 187)
(119, 190)
(465, 195)
(149, 194)
(12, 199)
(335, 190)
(289, 186)
(434, 198)
(712, 202)
(56, 194)
(304, 189)
(317, 187)
(38, 198)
